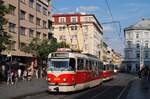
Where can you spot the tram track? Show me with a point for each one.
(108, 90)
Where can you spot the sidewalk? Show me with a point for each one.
(22, 88)
(139, 90)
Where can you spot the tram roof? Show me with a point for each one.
(80, 55)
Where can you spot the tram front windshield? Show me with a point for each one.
(59, 65)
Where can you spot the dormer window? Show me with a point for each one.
(73, 19)
(62, 19)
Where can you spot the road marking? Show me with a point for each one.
(124, 89)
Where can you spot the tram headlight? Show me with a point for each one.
(64, 79)
(49, 79)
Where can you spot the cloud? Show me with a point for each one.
(108, 28)
(88, 8)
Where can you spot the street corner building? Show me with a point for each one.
(137, 45)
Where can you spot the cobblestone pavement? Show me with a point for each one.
(22, 88)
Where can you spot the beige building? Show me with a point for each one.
(26, 20)
(81, 31)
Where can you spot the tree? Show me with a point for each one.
(63, 45)
(4, 37)
(40, 48)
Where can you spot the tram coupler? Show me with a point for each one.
(57, 89)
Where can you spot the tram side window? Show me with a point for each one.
(72, 63)
(87, 65)
(90, 65)
(80, 64)
(101, 65)
(93, 65)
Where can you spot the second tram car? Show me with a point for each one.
(71, 71)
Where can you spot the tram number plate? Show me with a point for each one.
(56, 78)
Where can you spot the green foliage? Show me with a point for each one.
(4, 37)
(41, 48)
(4, 9)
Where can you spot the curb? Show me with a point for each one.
(125, 91)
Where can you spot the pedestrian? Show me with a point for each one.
(19, 73)
(36, 73)
(9, 77)
(3, 72)
(25, 75)
(144, 75)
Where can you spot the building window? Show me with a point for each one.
(22, 15)
(45, 11)
(31, 3)
(62, 37)
(12, 27)
(74, 46)
(62, 19)
(12, 10)
(62, 28)
(13, 45)
(146, 34)
(22, 1)
(31, 33)
(73, 27)
(146, 45)
(38, 34)
(129, 35)
(38, 21)
(44, 24)
(22, 46)
(22, 30)
(85, 28)
(127, 54)
(129, 44)
(73, 19)
(137, 45)
(31, 17)
(146, 54)
(74, 37)
(44, 36)
(38, 7)
(137, 55)
(137, 36)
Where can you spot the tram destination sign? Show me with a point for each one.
(60, 55)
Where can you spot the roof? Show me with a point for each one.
(76, 14)
(143, 24)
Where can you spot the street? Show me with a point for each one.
(113, 89)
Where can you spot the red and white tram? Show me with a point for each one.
(108, 72)
(71, 71)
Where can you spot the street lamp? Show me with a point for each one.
(141, 55)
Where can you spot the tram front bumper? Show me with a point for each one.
(61, 88)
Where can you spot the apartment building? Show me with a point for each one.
(137, 45)
(81, 31)
(26, 20)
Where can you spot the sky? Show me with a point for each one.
(123, 12)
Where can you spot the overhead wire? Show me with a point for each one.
(112, 18)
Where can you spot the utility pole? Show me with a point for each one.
(141, 54)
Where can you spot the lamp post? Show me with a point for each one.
(141, 54)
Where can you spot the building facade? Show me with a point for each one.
(81, 31)
(137, 45)
(27, 19)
